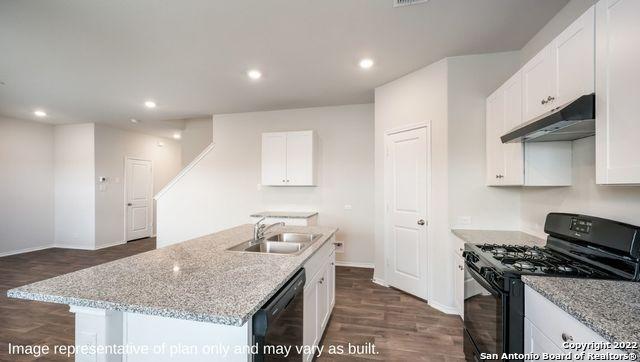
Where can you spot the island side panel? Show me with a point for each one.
(97, 327)
(178, 339)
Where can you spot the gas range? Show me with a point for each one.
(578, 246)
(536, 260)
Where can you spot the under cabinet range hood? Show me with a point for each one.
(570, 121)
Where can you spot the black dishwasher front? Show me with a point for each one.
(277, 326)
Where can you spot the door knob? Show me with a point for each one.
(421, 222)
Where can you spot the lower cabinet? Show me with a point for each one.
(549, 329)
(319, 295)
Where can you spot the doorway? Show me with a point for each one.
(407, 183)
(138, 194)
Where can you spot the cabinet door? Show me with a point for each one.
(274, 158)
(574, 58)
(323, 300)
(618, 86)
(458, 274)
(494, 126)
(536, 342)
(513, 172)
(310, 323)
(300, 149)
(538, 88)
(332, 282)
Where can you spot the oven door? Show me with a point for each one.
(484, 318)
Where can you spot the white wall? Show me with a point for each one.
(584, 197)
(74, 171)
(471, 79)
(196, 136)
(112, 145)
(26, 186)
(222, 189)
(418, 97)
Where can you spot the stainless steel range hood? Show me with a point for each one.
(571, 121)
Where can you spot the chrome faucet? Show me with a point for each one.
(259, 228)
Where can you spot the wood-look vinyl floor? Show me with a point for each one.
(401, 327)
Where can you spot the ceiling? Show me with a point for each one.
(99, 61)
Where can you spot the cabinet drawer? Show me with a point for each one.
(553, 322)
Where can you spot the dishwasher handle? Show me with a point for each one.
(278, 303)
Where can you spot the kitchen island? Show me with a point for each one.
(194, 299)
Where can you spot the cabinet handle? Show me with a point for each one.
(543, 102)
(550, 99)
(284, 180)
(321, 280)
(460, 267)
(567, 337)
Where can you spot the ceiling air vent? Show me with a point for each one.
(397, 3)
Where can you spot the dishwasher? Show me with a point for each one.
(277, 326)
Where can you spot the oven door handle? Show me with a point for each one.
(483, 282)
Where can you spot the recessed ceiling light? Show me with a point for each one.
(366, 63)
(150, 104)
(40, 113)
(133, 120)
(254, 74)
(177, 135)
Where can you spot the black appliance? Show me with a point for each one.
(578, 246)
(570, 121)
(279, 323)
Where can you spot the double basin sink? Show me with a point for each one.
(282, 243)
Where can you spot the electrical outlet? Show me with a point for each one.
(348, 207)
(464, 220)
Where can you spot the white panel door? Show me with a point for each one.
(274, 158)
(139, 198)
(574, 52)
(513, 153)
(300, 158)
(618, 87)
(406, 171)
(538, 88)
(494, 147)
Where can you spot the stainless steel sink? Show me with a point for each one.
(282, 243)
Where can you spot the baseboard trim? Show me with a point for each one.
(110, 245)
(380, 282)
(443, 308)
(75, 247)
(26, 250)
(354, 264)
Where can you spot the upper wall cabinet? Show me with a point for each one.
(504, 111)
(562, 71)
(518, 164)
(288, 158)
(617, 89)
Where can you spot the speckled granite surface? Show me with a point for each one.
(610, 308)
(498, 237)
(286, 214)
(195, 280)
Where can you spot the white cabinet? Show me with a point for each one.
(562, 71)
(458, 284)
(547, 328)
(288, 158)
(504, 111)
(319, 295)
(538, 78)
(617, 89)
(520, 164)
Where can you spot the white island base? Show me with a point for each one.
(152, 338)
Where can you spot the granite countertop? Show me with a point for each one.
(286, 214)
(610, 308)
(498, 237)
(194, 280)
